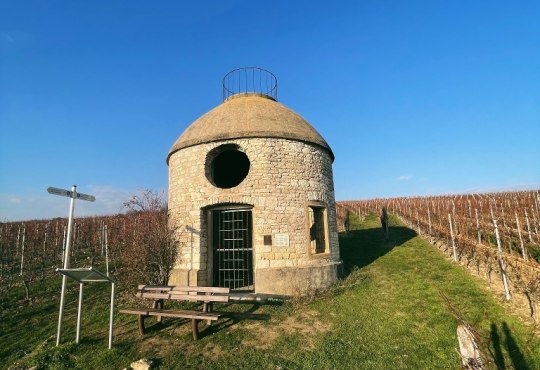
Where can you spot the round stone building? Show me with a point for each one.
(251, 195)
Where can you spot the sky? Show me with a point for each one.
(414, 97)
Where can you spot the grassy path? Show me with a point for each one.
(392, 311)
(386, 314)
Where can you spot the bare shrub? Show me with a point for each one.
(152, 245)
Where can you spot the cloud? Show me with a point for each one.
(108, 201)
(17, 207)
(7, 37)
(404, 177)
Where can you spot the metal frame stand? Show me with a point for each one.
(87, 275)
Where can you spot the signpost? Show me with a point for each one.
(73, 195)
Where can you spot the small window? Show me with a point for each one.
(318, 236)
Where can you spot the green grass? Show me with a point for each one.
(387, 313)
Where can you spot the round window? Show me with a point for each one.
(228, 167)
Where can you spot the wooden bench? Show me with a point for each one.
(160, 293)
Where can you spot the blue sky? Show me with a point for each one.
(414, 97)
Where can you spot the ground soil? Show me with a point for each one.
(306, 323)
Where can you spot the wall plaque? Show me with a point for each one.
(281, 240)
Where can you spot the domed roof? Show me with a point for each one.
(249, 116)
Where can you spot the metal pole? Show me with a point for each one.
(70, 225)
(66, 262)
(111, 316)
(79, 312)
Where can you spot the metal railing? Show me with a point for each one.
(250, 80)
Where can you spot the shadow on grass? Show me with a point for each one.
(511, 346)
(234, 317)
(228, 319)
(359, 248)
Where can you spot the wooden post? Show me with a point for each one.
(429, 222)
(439, 214)
(528, 227)
(454, 253)
(478, 226)
(22, 249)
(454, 217)
(64, 240)
(502, 265)
(18, 238)
(523, 251)
(101, 236)
(502, 216)
(535, 222)
(106, 250)
(536, 199)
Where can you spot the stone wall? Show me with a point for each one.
(284, 176)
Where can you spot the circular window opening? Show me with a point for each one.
(229, 168)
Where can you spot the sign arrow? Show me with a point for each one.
(71, 194)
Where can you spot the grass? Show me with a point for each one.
(386, 313)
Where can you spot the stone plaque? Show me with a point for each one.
(281, 240)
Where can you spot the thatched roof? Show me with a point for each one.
(249, 116)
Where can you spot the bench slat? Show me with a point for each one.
(183, 297)
(201, 289)
(173, 313)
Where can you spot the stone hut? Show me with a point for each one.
(251, 194)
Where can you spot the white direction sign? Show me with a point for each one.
(70, 194)
(74, 195)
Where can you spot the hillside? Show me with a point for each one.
(388, 312)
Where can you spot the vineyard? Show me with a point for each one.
(493, 234)
(488, 233)
(136, 247)
(480, 231)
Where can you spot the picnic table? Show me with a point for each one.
(160, 293)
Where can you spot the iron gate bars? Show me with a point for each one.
(233, 250)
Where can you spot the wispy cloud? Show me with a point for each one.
(109, 200)
(7, 37)
(14, 200)
(404, 177)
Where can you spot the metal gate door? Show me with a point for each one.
(233, 252)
